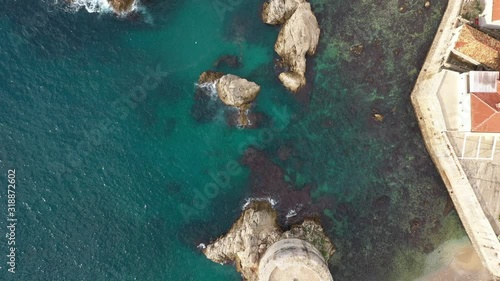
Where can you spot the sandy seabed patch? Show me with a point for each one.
(454, 260)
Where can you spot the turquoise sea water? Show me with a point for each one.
(109, 178)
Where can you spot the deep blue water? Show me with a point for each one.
(109, 167)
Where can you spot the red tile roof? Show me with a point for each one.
(485, 115)
(479, 46)
(495, 15)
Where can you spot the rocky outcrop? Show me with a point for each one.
(256, 231)
(233, 91)
(122, 6)
(298, 37)
(293, 81)
(245, 243)
(228, 60)
(278, 11)
(209, 77)
(312, 232)
(236, 91)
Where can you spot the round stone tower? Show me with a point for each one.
(293, 260)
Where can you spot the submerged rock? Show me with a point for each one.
(298, 36)
(258, 247)
(378, 117)
(253, 119)
(229, 60)
(204, 108)
(357, 49)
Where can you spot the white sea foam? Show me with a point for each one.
(208, 88)
(246, 113)
(202, 246)
(98, 6)
(293, 212)
(92, 6)
(272, 201)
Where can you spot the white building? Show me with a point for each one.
(471, 101)
(490, 17)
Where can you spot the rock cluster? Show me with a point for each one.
(298, 36)
(233, 91)
(254, 232)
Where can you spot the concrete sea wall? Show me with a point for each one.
(431, 121)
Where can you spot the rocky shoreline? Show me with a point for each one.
(255, 232)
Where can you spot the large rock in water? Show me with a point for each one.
(236, 91)
(233, 91)
(298, 36)
(247, 242)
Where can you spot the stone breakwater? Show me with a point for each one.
(429, 114)
(263, 252)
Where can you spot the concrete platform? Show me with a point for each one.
(483, 172)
